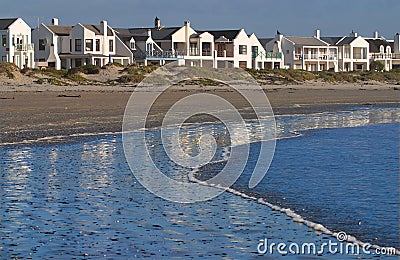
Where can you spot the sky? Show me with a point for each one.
(263, 17)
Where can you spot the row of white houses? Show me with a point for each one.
(63, 47)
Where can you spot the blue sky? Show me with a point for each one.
(264, 17)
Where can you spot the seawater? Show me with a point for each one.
(79, 199)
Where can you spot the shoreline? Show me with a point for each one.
(36, 112)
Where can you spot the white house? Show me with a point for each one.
(214, 48)
(73, 46)
(272, 58)
(16, 46)
(306, 53)
(353, 51)
(384, 51)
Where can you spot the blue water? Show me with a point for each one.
(80, 200)
(345, 178)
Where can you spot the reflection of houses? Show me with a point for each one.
(16, 44)
(385, 51)
(73, 46)
(307, 53)
(353, 51)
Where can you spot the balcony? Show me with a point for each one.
(206, 53)
(225, 53)
(324, 57)
(24, 47)
(273, 55)
(359, 56)
(164, 54)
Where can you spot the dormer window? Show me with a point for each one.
(133, 46)
(382, 49)
(388, 49)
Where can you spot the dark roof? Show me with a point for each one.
(97, 30)
(264, 41)
(307, 41)
(229, 34)
(5, 23)
(331, 40)
(164, 33)
(375, 45)
(60, 30)
(137, 38)
(346, 40)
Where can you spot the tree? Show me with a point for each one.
(377, 66)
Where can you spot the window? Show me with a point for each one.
(243, 49)
(133, 46)
(42, 44)
(70, 45)
(89, 45)
(254, 51)
(78, 45)
(111, 46)
(4, 40)
(78, 62)
(97, 44)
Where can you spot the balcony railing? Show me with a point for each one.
(206, 53)
(225, 53)
(267, 55)
(359, 56)
(316, 56)
(24, 47)
(164, 54)
(273, 55)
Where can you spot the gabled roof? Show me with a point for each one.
(331, 40)
(5, 23)
(229, 34)
(306, 41)
(97, 30)
(137, 38)
(60, 30)
(164, 33)
(264, 41)
(375, 44)
(346, 40)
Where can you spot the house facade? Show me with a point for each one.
(306, 53)
(16, 46)
(384, 51)
(353, 52)
(210, 48)
(67, 47)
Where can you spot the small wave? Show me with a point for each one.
(319, 228)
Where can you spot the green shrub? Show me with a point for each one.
(376, 66)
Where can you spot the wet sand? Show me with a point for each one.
(37, 113)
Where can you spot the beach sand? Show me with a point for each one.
(31, 112)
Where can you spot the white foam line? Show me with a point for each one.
(288, 212)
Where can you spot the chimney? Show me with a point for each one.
(397, 43)
(157, 23)
(353, 34)
(187, 36)
(54, 21)
(318, 34)
(376, 35)
(279, 36)
(103, 27)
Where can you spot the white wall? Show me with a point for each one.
(241, 39)
(17, 30)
